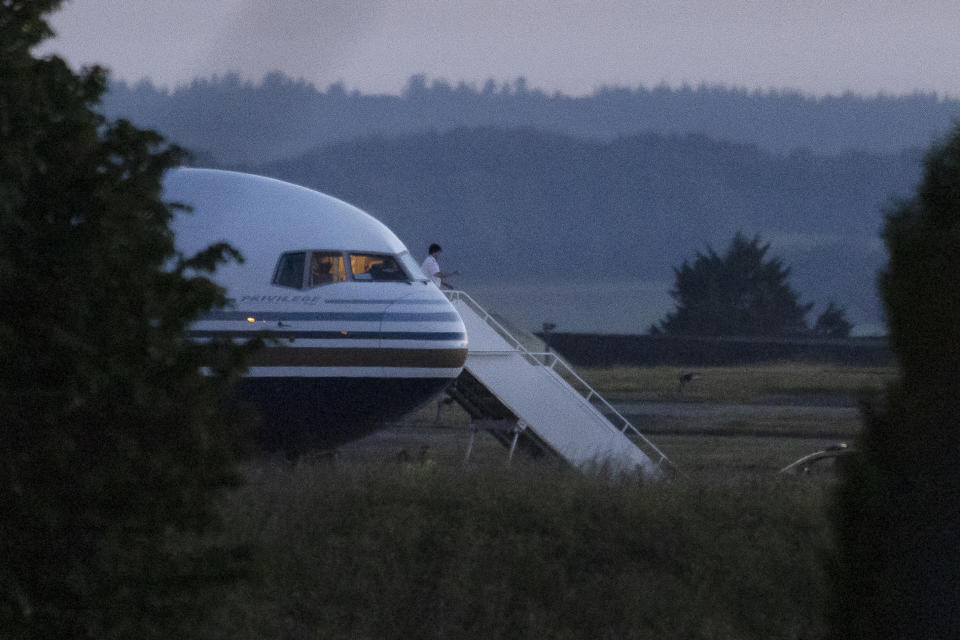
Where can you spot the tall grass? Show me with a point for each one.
(371, 545)
(439, 551)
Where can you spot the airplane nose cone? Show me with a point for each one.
(425, 321)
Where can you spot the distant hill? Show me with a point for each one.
(575, 210)
(231, 121)
(585, 233)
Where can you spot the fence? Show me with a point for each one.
(602, 350)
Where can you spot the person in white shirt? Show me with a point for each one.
(431, 267)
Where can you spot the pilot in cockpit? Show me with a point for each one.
(320, 272)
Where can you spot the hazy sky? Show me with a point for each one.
(816, 46)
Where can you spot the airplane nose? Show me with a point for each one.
(424, 320)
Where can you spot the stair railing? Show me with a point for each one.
(553, 361)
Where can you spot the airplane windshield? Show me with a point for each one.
(370, 267)
(310, 269)
(289, 271)
(326, 267)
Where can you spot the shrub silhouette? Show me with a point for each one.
(898, 513)
(112, 445)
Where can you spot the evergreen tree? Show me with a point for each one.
(832, 323)
(898, 513)
(741, 293)
(112, 445)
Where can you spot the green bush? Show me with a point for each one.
(112, 445)
(898, 512)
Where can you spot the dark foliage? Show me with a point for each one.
(832, 323)
(741, 293)
(898, 513)
(112, 445)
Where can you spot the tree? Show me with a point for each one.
(113, 445)
(832, 323)
(897, 518)
(741, 293)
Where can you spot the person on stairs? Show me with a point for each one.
(431, 267)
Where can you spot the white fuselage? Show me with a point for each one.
(357, 333)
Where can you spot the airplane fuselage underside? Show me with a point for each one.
(299, 414)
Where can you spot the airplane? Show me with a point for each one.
(359, 335)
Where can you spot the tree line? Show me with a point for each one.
(649, 196)
(280, 117)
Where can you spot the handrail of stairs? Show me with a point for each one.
(553, 361)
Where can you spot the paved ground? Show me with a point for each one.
(714, 438)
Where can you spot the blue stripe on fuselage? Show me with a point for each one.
(332, 316)
(333, 335)
(387, 302)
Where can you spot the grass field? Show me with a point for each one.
(398, 536)
(776, 382)
(752, 418)
(410, 550)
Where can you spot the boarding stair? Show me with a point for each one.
(488, 413)
(534, 401)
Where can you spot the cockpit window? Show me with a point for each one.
(326, 267)
(309, 269)
(376, 268)
(289, 271)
